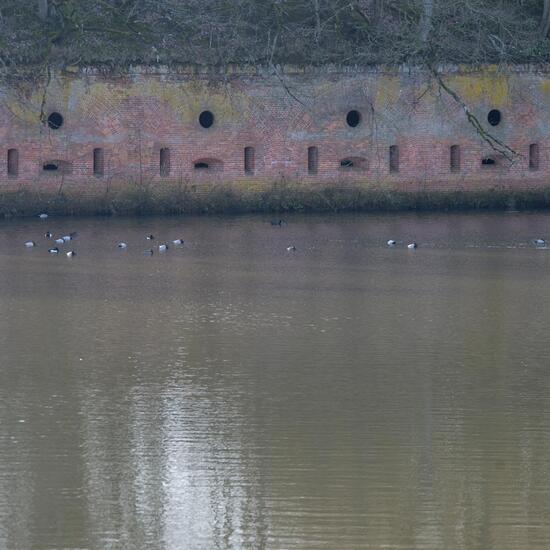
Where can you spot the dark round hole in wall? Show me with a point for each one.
(494, 117)
(488, 161)
(201, 166)
(206, 119)
(55, 121)
(50, 166)
(353, 118)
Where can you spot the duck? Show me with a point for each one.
(291, 248)
(277, 222)
(66, 238)
(48, 235)
(150, 237)
(148, 252)
(122, 245)
(30, 244)
(391, 242)
(178, 241)
(539, 242)
(163, 247)
(412, 246)
(71, 253)
(54, 250)
(43, 216)
(61, 240)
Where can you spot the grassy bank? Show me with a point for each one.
(143, 199)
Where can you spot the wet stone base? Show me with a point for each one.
(140, 198)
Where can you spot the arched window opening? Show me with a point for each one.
(312, 160)
(394, 158)
(249, 160)
(534, 156)
(13, 162)
(455, 158)
(208, 165)
(57, 167)
(99, 162)
(488, 162)
(164, 162)
(353, 164)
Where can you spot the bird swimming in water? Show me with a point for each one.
(391, 242)
(178, 241)
(54, 250)
(148, 252)
(412, 246)
(539, 242)
(48, 235)
(30, 244)
(163, 247)
(43, 216)
(71, 253)
(61, 240)
(277, 222)
(150, 237)
(122, 245)
(291, 248)
(66, 238)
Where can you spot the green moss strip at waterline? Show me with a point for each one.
(145, 199)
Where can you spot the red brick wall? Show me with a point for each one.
(132, 117)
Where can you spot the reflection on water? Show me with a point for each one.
(230, 394)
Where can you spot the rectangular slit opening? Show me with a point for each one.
(249, 160)
(99, 162)
(534, 156)
(13, 162)
(394, 158)
(455, 158)
(312, 160)
(164, 162)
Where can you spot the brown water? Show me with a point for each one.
(230, 394)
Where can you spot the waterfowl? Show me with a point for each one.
(61, 240)
(391, 242)
(66, 238)
(30, 244)
(43, 216)
(412, 246)
(163, 247)
(150, 237)
(71, 253)
(48, 235)
(122, 245)
(178, 241)
(539, 242)
(277, 222)
(148, 252)
(54, 250)
(291, 248)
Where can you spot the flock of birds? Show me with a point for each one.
(163, 247)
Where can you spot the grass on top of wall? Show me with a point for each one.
(134, 198)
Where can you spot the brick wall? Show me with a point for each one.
(129, 119)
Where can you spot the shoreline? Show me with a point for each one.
(142, 199)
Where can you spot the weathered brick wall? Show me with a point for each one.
(132, 117)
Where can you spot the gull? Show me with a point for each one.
(412, 246)
(30, 244)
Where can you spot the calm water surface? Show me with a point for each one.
(230, 394)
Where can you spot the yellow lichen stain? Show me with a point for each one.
(490, 87)
(388, 90)
(545, 86)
